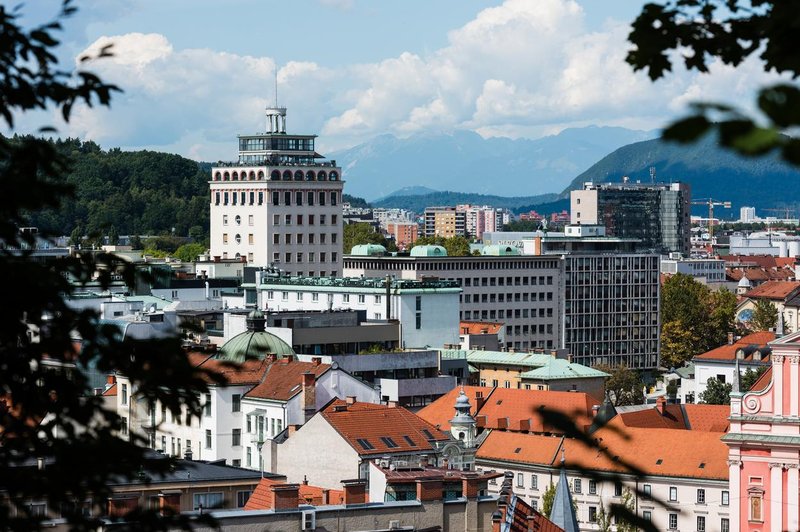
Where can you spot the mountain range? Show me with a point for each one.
(467, 162)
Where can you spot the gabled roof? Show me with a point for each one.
(701, 417)
(373, 429)
(727, 352)
(283, 379)
(763, 381)
(558, 368)
(249, 372)
(665, 452)
(775, 290)
(511, 408)
(262, 497)
(111, 391)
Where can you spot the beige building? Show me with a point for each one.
(445, 222)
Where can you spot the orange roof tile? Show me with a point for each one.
(284, 379)
(381, 429)
(708, 418)
(262, 497)
(728, 351)
(112, 390)
(705, 418)
(774, 290)
(664, 452)
(249, 372)
(480, 327)
(763, 381)
(516, 409)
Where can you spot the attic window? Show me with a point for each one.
(499, 401)
(659, 461)
(517, 450)
(428, 434)
(389, 442)
(365, 444)
(409, 441)
(702, 465)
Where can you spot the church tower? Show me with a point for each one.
(463, 426)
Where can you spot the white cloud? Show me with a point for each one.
(519, 69)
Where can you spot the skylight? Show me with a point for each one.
(365, 444)
(517, 450)
(409, 441)
(389, 442)
(427, 434)
(659, 461)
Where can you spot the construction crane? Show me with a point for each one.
(711, 204)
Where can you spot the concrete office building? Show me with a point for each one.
(656, 214)
(278, 203)
(445, 222)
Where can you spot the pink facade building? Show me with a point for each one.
(764, 443)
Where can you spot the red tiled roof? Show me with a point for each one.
(369, 423)
(778, 290)
(112, 390)
(262, 496)
(479, 327)
(762, 261)
(708, 418)
(704, 418)
(516, 409)
(763, 381)
(664, 452)
(248, 372)
(284, 379)
(728, 351)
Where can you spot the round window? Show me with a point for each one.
(238, 220)
(238, 239)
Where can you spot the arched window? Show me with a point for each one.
(287, 175)
(226, 176)
(252, 175)
(322, 176)
(260, 175)
(298, 175)
(217, 177)
(310, 175)
(238, 239)
(235, 176)
(275, 175)
(334, 176)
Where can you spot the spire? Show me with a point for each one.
(779, 332)
(563, 511)
(735, 384)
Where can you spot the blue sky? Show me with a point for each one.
(197, 73)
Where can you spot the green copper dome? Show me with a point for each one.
(254, 343)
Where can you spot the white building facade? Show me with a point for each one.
(278, 204)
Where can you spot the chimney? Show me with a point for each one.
(470, 487)
(392, 404)
(284, 496)
(660, 404)
(423, 461)
(525, 425)
(480, 400)
(270, 358)
(291, 429)
(308, 382)
(730, 338)
(429, 489)
(316, 361)
(595, 410)
(351, 399)
(326, 497)
(355, 491)
(445, 463)
(111, 380)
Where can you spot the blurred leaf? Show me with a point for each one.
(687, 130)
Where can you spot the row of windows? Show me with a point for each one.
(301, 257)
(515, 313)
(277, 175)
(298, 218)
(501, 297)
(482, 263)
(289, 198)
(299, 296)
(302, 238)
(508, 281)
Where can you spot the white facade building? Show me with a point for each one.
(278, 204)
(707, 271)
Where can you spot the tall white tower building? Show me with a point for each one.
(280, 204)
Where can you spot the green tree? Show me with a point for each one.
(136, 242)
(729, 31)
(76, 237)
(678, 344)
(765, 316)
(113, 236)
(456, 246)
(547, 499)
(624, 386)
(196, 233)
(363, 233)
(749, 377)
(717, 393)
(189, 252)
(48, 411)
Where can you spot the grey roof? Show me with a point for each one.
(192, 471)
(563, 512)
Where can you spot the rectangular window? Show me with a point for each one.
(124, 425)
(207, 501)
(124, 394)
(673, 493)
(322, 198)
(647, 490)
(276, 219)
(333, 198)
(260, 198)
(236, 437)
(592, 514)
(310, 198)
(299, 219)
(673, 521)
(207, 406)
(592, 487)
(224, 238)
(322, 219)
(250, 239)
(701, 496)
(287, 219)
(647, 515)
(242, 497)
(299, 238)
(323, 257)
(726, 498)
(701, 523)
(617, 489)
(249, 457)
(287, 198)
(534, 482)
(311, 220)
(334, 257)
(208, 438)
(276, 238)
(298, 198)
(520, 480)
(299, 257)
(224, 219)
(725, 525)
(236, 403)
(576, 485)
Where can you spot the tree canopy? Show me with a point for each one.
(48, 411)
(624, 386)
(363, 233)
(717, 392)
(456, 246)
(765, 316)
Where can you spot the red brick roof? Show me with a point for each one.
(262, 496)
(777, 290)
(284, 379)
(511, 408)
(369, 422)
(112, 390)
(763, 381)
(705, 418)
(479, 327)
(664, 452)
(728, 351)
(248, 372)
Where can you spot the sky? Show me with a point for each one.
(195, 74)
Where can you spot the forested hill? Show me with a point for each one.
(136, 192)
